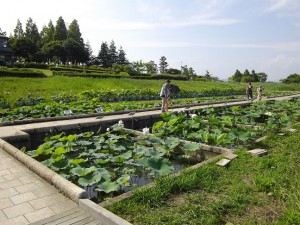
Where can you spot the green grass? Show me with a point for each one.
(253, 190)
(13, 88)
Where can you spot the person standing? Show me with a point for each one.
(165, 96)
(259, 92)
(249, 89)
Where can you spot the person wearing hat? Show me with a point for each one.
(165, 96)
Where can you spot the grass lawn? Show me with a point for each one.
(13, 88)
(253, 190)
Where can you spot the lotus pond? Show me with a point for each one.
(110, 163)
(229, 126)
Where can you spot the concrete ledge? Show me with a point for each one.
(103, 214)
(66, 187)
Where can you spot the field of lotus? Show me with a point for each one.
(110, 162)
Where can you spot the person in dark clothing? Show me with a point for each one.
(249, 90)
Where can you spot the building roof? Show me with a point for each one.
(3, 37)
(6, 51)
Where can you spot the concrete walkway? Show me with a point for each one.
(26, 198)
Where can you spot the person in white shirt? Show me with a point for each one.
(165, 96)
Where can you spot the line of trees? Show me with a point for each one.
(292, 78)
(59, 45)
(248, 77)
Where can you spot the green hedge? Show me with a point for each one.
(31, 65)
(146, 77)
(7, 72)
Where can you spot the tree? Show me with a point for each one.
(191, 71)
(163, 64)
(47, 33)
(31, 32)
(254, 76)
(246, 73)
(24, 48)
(54, 51)
(207, 75)
(173, 71)
(185, 71)
(113, 54)
(74, 32)
(262, 77)
(88, 52)
(103, 56)
(122, 57)
(60, 33)
(292, 78)
(18, 31)
(237, 76)
(151, 67)
(74, 45)
(139, 67)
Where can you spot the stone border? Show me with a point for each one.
(72, 191)
(98, 211)
(69, 189)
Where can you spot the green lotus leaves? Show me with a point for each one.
(188, 146)
(77, 161)
(108, 186)
(79, 171)
(160, 166)
(89, 179)
(59, 164)
(59, 151)
(124, 180)
(172, 142)
(56, 137)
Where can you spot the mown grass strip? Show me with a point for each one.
(253, 190)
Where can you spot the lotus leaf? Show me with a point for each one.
(56, 137)
(188, 146)
(108, 186)
(124, 180)
(160, 166)
(59, 151)
(172, 142)
(77, 161)
(84, 143)
(89, 180)
(79, 171)
(60, 164)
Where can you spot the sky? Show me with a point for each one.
(218, 36)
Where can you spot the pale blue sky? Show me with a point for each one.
(215, 35)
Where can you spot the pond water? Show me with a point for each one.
(144, 179)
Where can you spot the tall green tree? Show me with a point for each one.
(254, 76)
(18, 31)
(151, 67)
(47, 33)
(237, 76)
(163, 64)
(89, 53)
(61, 32)
(103, 55)
(74, 32)
(262, 77)
(292, 78)
(113, 54)
(122, 57)
(31, 32)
